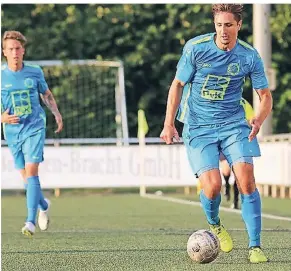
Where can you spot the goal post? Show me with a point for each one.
(91, 97)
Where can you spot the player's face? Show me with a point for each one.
(14, 52)
(226, 28)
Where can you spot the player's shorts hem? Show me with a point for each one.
(243, 159)
(204, 169)
(18, 167)
(22, 166)
(34, 161)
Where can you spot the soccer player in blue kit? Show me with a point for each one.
(24, 123)
(214, 66)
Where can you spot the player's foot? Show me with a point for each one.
(256, 255)
(225, 240)
(28, 229)
(43, 217)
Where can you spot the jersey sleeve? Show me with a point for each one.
(42, 84)
(257, 74)
(186, 66)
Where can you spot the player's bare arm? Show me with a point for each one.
(174, 97)
(11, 119)
(50, 102)
(265, 108)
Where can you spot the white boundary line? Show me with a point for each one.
(196, 203)
(167, 231)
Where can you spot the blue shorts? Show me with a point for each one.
(29, 150)
(205, 143)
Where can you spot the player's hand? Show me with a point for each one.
(11, 119)
(169, 133)
(256, 125)
(59, 121)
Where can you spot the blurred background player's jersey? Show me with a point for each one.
(20, 94)
(214, 80)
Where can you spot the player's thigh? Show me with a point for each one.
(17, 155)
(202, 150)
(235, 144)
(33, 148)
(243, 170)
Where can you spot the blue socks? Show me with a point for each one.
(251, 214)
(34, 197)
(211, 208)
(42, 203)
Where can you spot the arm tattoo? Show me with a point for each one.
(50, 102)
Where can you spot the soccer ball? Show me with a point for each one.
(203, 246)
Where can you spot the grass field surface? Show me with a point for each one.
(128, 232)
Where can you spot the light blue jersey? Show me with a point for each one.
(20, 94)
(214, 80)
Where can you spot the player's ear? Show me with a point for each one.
(239, 24)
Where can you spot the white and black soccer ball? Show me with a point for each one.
(203, 246)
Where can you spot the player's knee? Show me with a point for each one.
(248, 187)
(211, 192)
(31, 169)
(211, 183)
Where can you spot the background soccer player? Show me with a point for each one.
(216, 65)
(24, 122)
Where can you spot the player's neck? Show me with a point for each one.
(15, 67)
(224, 47)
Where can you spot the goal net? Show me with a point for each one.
(91, 97)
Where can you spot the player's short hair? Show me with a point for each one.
(13, 35)
(235, 9)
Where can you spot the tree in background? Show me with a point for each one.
(149, 40)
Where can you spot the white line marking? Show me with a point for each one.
(196, 203)
(142, 231)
